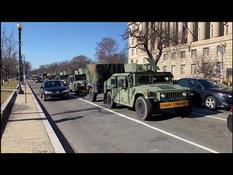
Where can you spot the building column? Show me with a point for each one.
(201, 30)
(190, 32)
(180, 30)
(214, 29)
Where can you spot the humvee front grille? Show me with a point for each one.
(173, 96)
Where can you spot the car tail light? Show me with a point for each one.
(231, 108)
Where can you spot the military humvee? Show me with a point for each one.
(77, 81)
(146, 92)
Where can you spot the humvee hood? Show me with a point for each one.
(162, 87)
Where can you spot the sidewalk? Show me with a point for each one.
(25, 131)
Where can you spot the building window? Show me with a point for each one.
(132, 53)
(136, 51)
(173, 69)
(206, 51)
(182, 69)
(218, 67)
(193, 69)
(164, 57)
(173, 56)
(182, 55)
(164, 68)
(194, 53)
(136, 61)
(131, 61)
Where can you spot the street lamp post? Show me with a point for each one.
(222, 50)
(20, 26)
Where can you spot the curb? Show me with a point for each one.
(52, 135)
(6, 108)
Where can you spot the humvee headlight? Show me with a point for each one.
(162, 95)
(184, 94)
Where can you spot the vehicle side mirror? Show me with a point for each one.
(41, 87)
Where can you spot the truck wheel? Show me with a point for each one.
(110, 102)
(92, 95)
(143, 108)
(184, 111)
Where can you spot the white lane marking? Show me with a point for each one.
(154, 128)
(58, 148)
(210, 116)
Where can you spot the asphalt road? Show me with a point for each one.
(90, 128)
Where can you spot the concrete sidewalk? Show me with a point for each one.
(25, 131)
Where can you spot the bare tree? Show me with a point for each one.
(107, 52)
(79, 62)
(8, 56)
(151, 37)
(206, 67)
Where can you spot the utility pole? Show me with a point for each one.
(24, 77)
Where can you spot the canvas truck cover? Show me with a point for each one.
(98, 73)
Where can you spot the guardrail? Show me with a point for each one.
(6, 108)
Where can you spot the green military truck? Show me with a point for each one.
(77, 81)
(146, 92)
(96, 75)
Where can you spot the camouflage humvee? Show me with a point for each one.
(77, 82)
(146, 91)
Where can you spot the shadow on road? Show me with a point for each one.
(73, 111)
(67, 119)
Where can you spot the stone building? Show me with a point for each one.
(210, 40)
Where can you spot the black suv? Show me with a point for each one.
(53, 89)
(211, 93)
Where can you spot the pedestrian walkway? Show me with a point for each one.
(25, 131)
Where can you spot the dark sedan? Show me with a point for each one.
(53, 89)
(211, 93)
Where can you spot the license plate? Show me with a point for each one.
(174, 104)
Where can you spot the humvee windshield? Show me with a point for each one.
(80, 77)
(152, 78)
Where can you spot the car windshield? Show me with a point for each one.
(151, 79)
(50, 84)
(63, 77)
(80, 77)
(212, 84)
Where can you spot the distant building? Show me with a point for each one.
(210, 39)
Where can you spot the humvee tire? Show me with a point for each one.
(92, 95)
(143, 108)
(109, 100)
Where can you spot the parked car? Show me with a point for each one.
(210, 93)
(54, 89)
(38, 80)
(229, 120)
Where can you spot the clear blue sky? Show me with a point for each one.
(48, 42)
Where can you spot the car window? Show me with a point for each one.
(184, 83)
(49, 84)
(192, 83)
